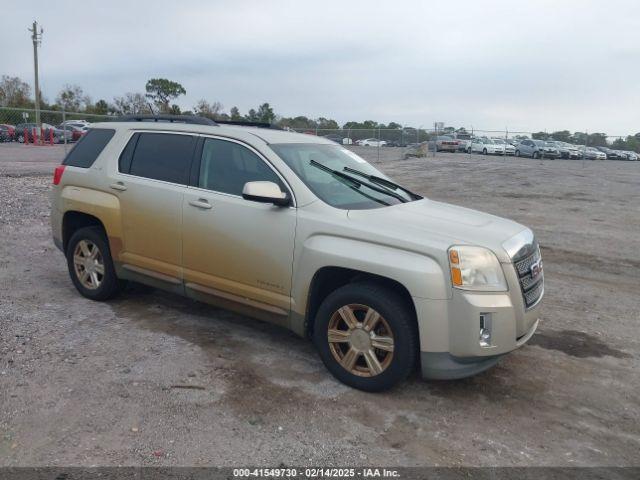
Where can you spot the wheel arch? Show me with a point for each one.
(83, 207)
(74, 220)
(330, 278)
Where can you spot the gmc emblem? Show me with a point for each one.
(536, 269)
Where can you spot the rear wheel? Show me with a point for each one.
(90, 264)
(484, 151)
(535, 155)
(366, 336)
(469, 150)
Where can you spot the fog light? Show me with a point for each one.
(485, 330)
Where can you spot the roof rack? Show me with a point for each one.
(245, 123)
(192, 119)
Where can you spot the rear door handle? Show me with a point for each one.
(200, 203)
(118, 186)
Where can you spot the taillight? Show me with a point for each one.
(57, 174)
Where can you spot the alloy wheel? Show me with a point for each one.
(88, 264)
(360, 340)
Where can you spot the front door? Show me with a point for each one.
(236, 249)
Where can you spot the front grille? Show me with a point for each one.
(532, 288)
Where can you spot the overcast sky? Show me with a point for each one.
(525, 65)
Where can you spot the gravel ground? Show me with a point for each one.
(154, 379)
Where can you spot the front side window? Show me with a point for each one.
(314, 164)
(226, 166)
(159, 156)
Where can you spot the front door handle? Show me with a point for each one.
(200, 203)
(118, 186)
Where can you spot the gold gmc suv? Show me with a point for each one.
(297, 230)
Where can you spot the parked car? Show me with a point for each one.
(10, 130)
(371, 142)
(44, 134)
(508, 148)
(445, 143)
(566, 150)
(76, 123)
(486, 146)
(294, 230)
(591, 153)
(627, 155)
(611, 154)
(76, 131)
(463, 144)
(5, 134)
(537, 149)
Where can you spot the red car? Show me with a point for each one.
(10, 130)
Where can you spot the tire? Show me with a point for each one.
(535, 155)
(469, 150)
(395, 325)
(106, 284)
(20, 138)
(517, 153)
(484, 151)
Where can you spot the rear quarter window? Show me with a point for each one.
(88, 148)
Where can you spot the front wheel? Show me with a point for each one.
(469, 150)
(484, 151)
(535, 155)
(366, 336)
(90, 265)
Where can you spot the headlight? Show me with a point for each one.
(476, 268)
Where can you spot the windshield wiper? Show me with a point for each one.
(383, 181)
(358, 182)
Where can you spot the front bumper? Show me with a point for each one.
(444, 366)
(450, 329)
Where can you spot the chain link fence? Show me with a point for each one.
(60, 127)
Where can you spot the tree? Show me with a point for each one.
(209, 110)
(562, 135)
(72, 99)
(251, 116)
(265, 113)
(161, 91)
(327, 123)
(14, 92)
(235, 114)
(131, 104)
(539, 136)
(101, 107)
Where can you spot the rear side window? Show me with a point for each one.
(159, 156)
(88, 148)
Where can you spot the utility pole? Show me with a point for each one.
(36, 36)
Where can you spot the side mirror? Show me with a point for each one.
(265, 192)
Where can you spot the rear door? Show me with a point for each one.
(153, 172)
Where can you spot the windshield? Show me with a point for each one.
(338, 192)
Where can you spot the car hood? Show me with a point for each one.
(438, 225)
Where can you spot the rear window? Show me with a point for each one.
(88, 148)
(159, 156)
